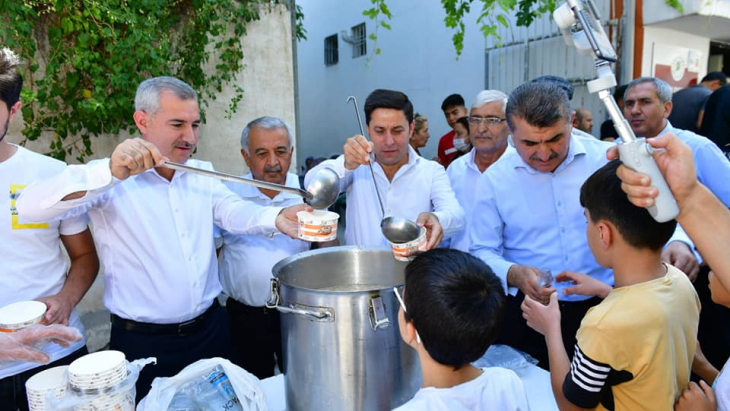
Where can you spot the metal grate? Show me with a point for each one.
(359, 41)
(331, 54)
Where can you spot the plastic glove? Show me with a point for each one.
(19, 346)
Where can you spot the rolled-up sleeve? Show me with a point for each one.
(487, 231)
(445, 205)
(43, 200)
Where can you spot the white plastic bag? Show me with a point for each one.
(247, 387)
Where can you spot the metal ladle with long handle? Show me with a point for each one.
(397, 230)
(321, 192)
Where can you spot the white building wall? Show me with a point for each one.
(654, 36)
(417, 58)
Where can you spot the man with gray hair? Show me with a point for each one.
(245, 261)
(154, 228)
(647, 106)
(488, 134)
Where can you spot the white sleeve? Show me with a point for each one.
(445, 206)
(239, 216)
(43, 200)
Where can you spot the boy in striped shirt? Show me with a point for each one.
(634, 349)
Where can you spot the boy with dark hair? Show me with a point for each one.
(635, 348)
(454, 108)
(452, 309)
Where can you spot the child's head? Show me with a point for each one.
(455, 303)
(611, 217)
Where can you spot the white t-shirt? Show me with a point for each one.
(33, 263)
(496, 389)
(722, 388)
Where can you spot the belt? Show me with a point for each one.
(239, 306)
(184, 328)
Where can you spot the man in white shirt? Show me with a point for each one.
(530, 216)
(34, 266)
(245, 261)
(411, 186)
(154, 227)
(488, 135)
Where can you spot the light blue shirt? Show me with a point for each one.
(527, 217)
(713, 168)
(464, 174)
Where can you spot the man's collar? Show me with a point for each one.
(668, 128)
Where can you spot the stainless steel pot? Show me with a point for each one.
(339, 323)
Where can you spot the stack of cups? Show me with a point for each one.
(97, 373)
(16, 316)
(39, 385)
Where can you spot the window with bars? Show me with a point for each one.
(331, 54)
(359, 41)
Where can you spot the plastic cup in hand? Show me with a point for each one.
(545, 278)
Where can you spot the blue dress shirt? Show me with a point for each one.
(526, 217)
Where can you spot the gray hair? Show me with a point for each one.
(147, 98)
(487, 96)
(663, 90)
(419, 119)
(540, 104)
(266, 123)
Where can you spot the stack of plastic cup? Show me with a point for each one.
(97, 373)
(38, 386)
(16, 316)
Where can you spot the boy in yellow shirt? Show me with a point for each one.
(635, 348)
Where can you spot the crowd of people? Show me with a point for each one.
(519, 189)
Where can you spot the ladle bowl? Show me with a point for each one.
(399, 230)
(324, 188)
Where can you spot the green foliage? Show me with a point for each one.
(86, 58)
(375, 13)
(493, 12)
(300, 30)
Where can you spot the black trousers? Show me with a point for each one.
(12, 389)
(516, 333)
(256, 337)
(714, 332)
(173, 351)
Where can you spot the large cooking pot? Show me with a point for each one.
(339, 325)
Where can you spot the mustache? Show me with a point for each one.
(275, 169)
(537, 158)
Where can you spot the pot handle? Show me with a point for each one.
(378, 317)
(321, 314)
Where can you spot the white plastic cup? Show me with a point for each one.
(37, 386)
(16, 316)
(101, 369)
(318, 225)
(407, 251)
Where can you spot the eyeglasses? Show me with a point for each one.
(489, 121)
(403, 306)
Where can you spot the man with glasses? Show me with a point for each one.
(488, 129)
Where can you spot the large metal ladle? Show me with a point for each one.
(321, 192)
(397, 230)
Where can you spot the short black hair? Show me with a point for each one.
(456, 303)
(715, 75)
(602, 196)
(454, 100)
(464, 121)
(391, 99)
(540, 104)
(558, 81)
(11, 82)
(618, 94)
